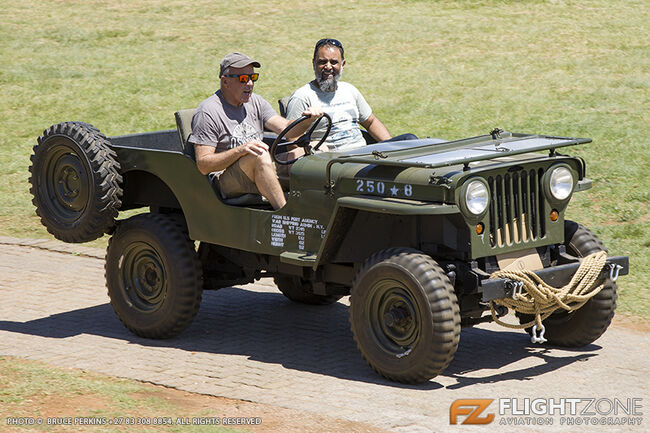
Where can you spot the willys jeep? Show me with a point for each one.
(411, 230)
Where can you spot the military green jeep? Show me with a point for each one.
(411, 230)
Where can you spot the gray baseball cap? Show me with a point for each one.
(237, 60)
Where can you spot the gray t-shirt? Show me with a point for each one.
(217, 123)
(346, 106)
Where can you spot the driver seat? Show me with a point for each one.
(184, 126)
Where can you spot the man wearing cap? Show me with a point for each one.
(342, 101)
(228, 128)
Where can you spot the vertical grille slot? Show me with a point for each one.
(540, 204)
(516, 208)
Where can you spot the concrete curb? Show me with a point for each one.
(54, 245)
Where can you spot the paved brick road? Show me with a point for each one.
(251, 343)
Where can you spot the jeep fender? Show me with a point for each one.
(347, 209)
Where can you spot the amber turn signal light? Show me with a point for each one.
(479, 228)
(554, 215)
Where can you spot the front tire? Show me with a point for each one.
(585, 325)
(404, 315)
(153, 276)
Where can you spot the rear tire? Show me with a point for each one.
(296, 289)
(404, 315)
(75, 182)
(153, 276)
(585, 325)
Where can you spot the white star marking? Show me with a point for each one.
(394, 190)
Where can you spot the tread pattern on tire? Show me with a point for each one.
(442, 303)
(587, 324)
(186, 266)
(100, 213)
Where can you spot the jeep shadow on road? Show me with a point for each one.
(268, 328)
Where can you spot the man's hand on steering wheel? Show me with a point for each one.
(305, 139)
(313, 112)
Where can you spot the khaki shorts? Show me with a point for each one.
(233, 182)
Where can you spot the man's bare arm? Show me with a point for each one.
(207, 160)
(278, 123)
(376, 128)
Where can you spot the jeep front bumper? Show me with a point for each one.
(555, 276)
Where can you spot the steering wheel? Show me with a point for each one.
(302, 141)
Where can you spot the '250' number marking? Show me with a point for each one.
(378, 187)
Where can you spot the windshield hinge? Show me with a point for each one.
(496, 133)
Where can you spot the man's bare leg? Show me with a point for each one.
(260, 170)
(283, 170)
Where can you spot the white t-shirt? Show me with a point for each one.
(346, 106)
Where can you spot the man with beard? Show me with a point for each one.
(228, 128)
(342, 101)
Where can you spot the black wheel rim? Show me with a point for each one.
(394, 318)
(143, 277)
(65, 183)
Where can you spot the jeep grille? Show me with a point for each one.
(516, 208)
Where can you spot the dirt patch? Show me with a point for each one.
(632, 323)
(56, 406)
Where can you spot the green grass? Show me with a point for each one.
(448, 69)
(34, 390)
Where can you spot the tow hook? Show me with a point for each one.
(514, 288)
(614, 269)
(534, 338)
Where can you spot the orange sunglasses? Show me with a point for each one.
(243, 78)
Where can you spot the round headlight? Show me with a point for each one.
(476, 197)
(561, 183)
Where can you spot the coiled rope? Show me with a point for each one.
(541, 300)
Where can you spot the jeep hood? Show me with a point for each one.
(433, 153)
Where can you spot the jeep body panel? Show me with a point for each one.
(339, 198)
